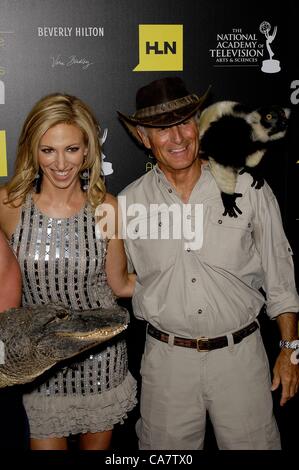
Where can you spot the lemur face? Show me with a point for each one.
(269, 122)
(274, 119)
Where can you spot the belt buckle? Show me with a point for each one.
(201, 344)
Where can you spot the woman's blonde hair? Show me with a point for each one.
(49, 111)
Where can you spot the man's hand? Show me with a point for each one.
(287, 374)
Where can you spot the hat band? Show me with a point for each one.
(166, 107)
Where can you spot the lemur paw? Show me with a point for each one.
(229, 202)
(258, 179)
(257, 183)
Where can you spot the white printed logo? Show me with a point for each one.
(295, 354)
(153, 222)
(269, 65)
(2, 92)
(2, 352)
(107, 168)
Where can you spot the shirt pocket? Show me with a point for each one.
(227, 242)
(151, 245)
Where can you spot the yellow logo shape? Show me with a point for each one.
(160, 47)
(3, 158)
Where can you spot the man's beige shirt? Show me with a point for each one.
(213, 289)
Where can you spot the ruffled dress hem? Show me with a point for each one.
(61, 416)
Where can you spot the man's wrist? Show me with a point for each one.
(284, 344)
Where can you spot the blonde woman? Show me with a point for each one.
(47, 211)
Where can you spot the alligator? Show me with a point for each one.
(34, 339)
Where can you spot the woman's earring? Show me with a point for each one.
(37, 182)
(85, 179)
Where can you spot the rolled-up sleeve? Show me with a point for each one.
(276, 256)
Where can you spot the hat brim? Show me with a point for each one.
(167, 119)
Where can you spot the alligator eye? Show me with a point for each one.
(268, 117)
(62, 314)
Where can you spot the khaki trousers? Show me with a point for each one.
(180, 384)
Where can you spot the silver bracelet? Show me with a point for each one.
(289, 344)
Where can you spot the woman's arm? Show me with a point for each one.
(10, 277)
(121, 282)
(109, 226)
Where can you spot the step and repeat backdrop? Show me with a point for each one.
(104, 50)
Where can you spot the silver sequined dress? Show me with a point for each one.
(62, 261)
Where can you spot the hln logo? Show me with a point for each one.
(160, 47)
(3, 157)
(165, 48)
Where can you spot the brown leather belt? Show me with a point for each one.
(203, 343)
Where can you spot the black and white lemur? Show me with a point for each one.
(234, 138)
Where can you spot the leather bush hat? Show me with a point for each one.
(162, 103)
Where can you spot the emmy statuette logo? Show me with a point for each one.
(269, 65)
